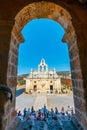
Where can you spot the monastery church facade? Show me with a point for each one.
(43, 80)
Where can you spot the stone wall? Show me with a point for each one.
(12, 76)
(78, 90)
(9, 107)
(76, 44)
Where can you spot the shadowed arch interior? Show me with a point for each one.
(59, 14)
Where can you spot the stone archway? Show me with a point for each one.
(62, 16)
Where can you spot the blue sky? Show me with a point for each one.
(43, 39)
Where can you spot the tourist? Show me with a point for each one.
(45, 110)
(52, 112)
(42, 116)
(19, 113)
(39, 112)
(62, 111)
(32, 109)
(32, 118)
(20, 116)
(15, 113)
(49, 116)
(39, 117)
(24, 111)
(72, 112)
(56, 110)
(28, 113)
(69, 111)
(45, 116)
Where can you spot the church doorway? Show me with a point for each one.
(43, 88)
(35, 88)
(51, 88)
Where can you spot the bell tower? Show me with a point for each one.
(42, 67)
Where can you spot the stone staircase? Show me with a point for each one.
(64, 124)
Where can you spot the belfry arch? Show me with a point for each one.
(61, 15)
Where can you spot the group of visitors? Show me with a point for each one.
(44, 114)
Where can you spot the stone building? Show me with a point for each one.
(72, 16)
(43, 80)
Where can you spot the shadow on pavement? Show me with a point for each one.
(19, 91)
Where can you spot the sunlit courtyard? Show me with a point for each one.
(38, 100)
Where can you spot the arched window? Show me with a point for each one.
(40, 68)
(44, 68)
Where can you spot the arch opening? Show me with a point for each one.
(60, 15)
(54, 51)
